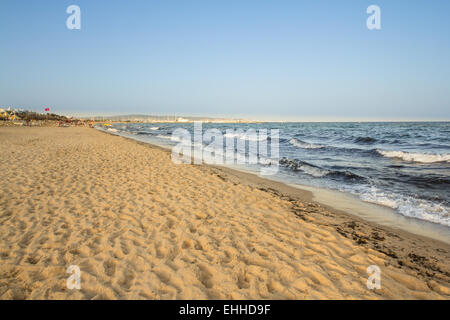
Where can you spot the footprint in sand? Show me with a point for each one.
(161, 250)
(186, 244)
(243, 281)
(26, 239)
(206, 276)
(128, 278)
(33, 259)
(170, 223)
(43, 240)
(228, 257)
(110, 268)
(124, 247)
(112, 238)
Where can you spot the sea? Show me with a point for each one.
(401, 165)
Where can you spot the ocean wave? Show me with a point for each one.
(415, 157)
(304, 166)
(365, 140)
(304, 145)
(154, 128)
(407, 205)
(346, 175)
(186, 142)
(318, 172)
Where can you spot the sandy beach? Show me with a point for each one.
(141, 227)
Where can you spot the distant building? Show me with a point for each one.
(182, 120)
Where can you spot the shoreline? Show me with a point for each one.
(343, 202)
(365, 232)
(377, 214)
(141, 227)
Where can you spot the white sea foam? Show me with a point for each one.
(315, 172)
(305, 145)
(416, 157)
(405, 205)
(154, 128)
(245, 136)
(175, 138)
(168, 137)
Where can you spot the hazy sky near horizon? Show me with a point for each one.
(288, 60)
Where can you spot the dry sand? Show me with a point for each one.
(141, 227)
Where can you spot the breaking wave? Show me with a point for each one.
(304, 145)
(415, 157)
(318, 172)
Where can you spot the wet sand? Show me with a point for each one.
(141, 227)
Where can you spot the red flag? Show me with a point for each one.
(47, 109)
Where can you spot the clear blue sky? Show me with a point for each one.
(262, 59)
